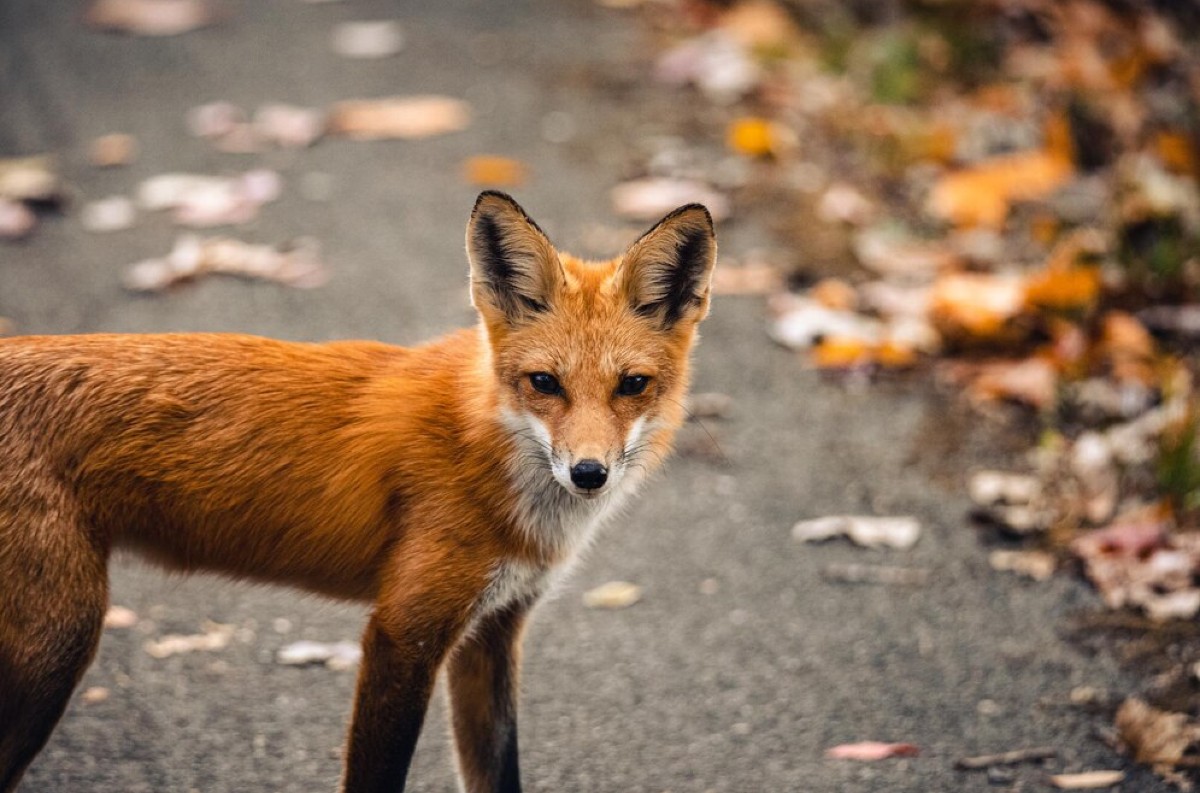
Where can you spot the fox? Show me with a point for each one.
(448, 485)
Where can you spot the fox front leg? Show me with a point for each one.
(406, 641)
(483, 673)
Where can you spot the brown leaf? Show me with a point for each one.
(1087, 780)
(1155, 736)
(871, 750)
(110, 151)
(151, 17)
(399, 117)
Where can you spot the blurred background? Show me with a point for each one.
(933, 528)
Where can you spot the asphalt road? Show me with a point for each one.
(741, 665)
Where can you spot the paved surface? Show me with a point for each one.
(740, 689)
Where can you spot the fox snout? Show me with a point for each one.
(589, 474)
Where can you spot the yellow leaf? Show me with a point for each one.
(1063, 289)
(752, 136)
(485, 170)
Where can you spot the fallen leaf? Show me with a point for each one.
(1063, 289)
(30, 179)
(1155, 736)
(1037, 565)
(981, 195)
(114, 213)
(399, 117)
(871, 750)
(214, 637)
(202, 201)
(338, 656)
(866, 530)
(17, 221)
(151, 17)
(760, 25)
(367, 39)
(1183, 321)
(651, 198)
(1032, 382)
(752, 136)
(801, 323)
(844, 203)
(834, 293)
(892, 253)
(288, 126)
(976, 306)
(94, 695)
(613, 595)
(987, 488)
(1087, 780)
(715, 62)
(489, 170)
(755, 278)
(295, 264)
(118, 617)
(110, 151)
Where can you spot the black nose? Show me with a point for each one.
(589, 474)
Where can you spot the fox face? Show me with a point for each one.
(590, 358)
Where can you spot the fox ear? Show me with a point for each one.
(515, 270)
(666, 272)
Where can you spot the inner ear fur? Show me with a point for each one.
(666, 273)
(515, 271)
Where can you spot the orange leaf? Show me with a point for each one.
(1063, 289)
(752, 136)
(981, 196)
(486, 170)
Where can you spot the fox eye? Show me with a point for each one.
(545, 383)
(632, 385)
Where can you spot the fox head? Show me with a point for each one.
(591, 358)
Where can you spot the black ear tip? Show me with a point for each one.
(693, 210)
(493, 196)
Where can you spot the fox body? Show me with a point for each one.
(447, 484)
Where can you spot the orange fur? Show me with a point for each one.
(421, 480)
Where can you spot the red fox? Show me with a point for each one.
(449, 485)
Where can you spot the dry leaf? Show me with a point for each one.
(215, 637)
(753, 136)
(151, 17)
(844, 203)
(834, 293)
(201, 201)
(1154, 736)
(1087, 780)
(801, 322)
(892, 253)
(17, 221)
(109, 151)
(338, 656)
(748, 279)
(94, 695)
(866, 530)
(114, 213)
(651, 198)
(1037, 565)
(613, 595)
(30, 179)
(367, 40)
(1032, 382)
(975, 306)
(119, 617)
(982, 195)
(1063, 289)
(715, 62)
(399, 117)
(295, 264)
(288, 126)
(489, 170)
(871, 750)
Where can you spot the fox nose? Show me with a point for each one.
(589, 474)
